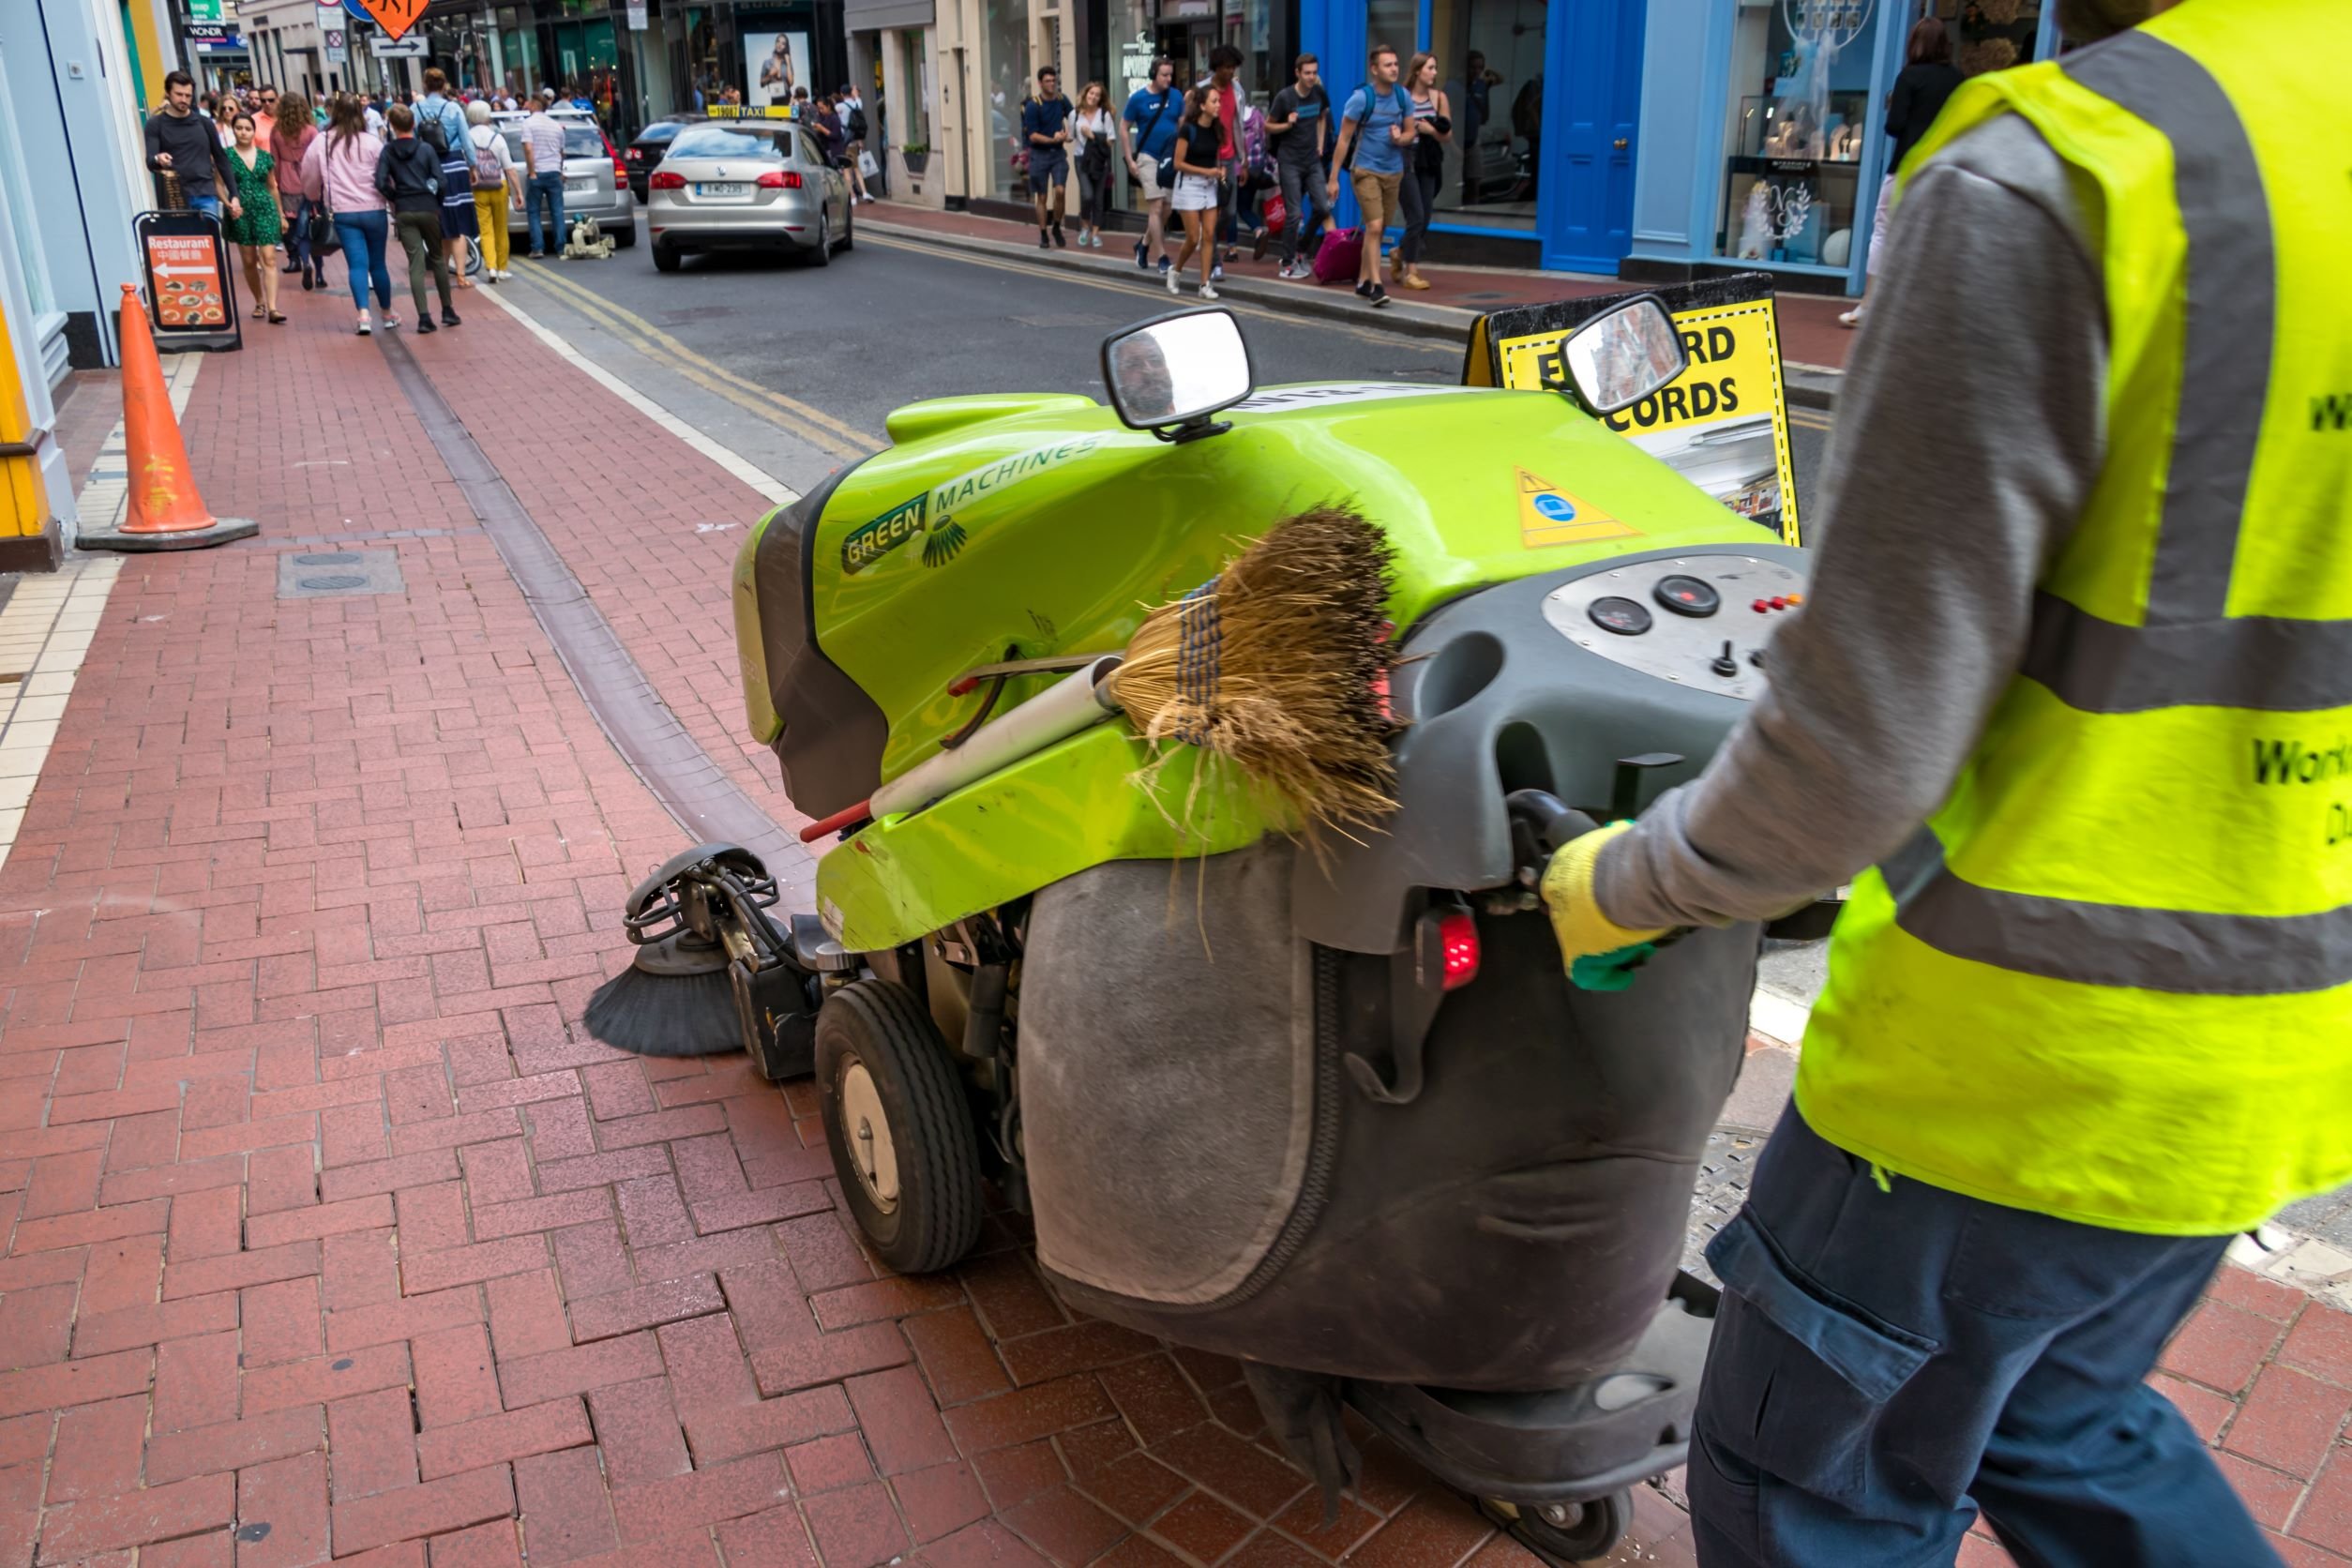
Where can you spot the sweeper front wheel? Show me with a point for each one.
(895, 1117)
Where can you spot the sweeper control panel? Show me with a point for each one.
(1700, 620)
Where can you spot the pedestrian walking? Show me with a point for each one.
(289, 144)
(497, 189)
(830, 134)
(408, 174)
(1046, 132)
(1147, 134)
(182, 143)
(339, 175)
(1200, 175)
(441, 125)
(2088, 1015)
(1225, 63)
(1094, 134)
(1927, 79)
(1374, 131)
(1300, 130)
(265, 108)
(853, 126)
(255, 229)
(1424, 167)
(543, 174)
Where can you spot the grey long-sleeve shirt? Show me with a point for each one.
(1970, 430)
(197, 156)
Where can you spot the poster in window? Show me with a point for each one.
(774, 65)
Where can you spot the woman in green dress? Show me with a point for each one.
(257, 228)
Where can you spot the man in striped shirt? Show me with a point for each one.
(543, 166)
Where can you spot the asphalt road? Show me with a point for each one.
(893, 321)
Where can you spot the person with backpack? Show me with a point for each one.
(1147, 136)
(1375, 129)
(408, 174)
(497, 190)
(441, 126)
(1300, 130)
(855, 127)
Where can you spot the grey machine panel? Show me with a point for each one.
(1520, 686)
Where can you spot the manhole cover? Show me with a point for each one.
(333, 583)
(337, 558)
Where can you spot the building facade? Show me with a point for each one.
(1762, 146)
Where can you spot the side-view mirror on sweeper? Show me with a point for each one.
(1170, 374)
(1617, 360)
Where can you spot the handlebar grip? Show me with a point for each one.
(1552, 821)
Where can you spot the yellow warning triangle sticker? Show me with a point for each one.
(1550, 516)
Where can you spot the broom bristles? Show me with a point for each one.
(1276, 663)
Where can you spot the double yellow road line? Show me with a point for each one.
(813, 425)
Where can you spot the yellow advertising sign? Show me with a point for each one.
(1550, 516)
(1723, 424)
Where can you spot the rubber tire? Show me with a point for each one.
(665, 258)
(1599, 1525)
(625, 238)
(823, 254)
(881, 1025)
(849, 230)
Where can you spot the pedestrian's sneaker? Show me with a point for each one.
(1207, 293)
(1363, 291)
(1165, 264)
(534, 256)
(1061, 240)
(1216, 273)
(425, 325)
(365, 330)
(1257, 246)
(389, 321)
(449, 318)
(1141, 260)
(1380, 294)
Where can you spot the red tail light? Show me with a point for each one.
(779, 179)
(664, 180)
(1458, 932)
(620, 173)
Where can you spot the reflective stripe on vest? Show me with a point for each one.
(2111, 980)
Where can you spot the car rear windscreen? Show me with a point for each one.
(582, 142)
(755, 146)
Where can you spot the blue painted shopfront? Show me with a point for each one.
(1714, 127)
(1547, 140)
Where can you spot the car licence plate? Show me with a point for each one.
(721, 188)
(578, 188)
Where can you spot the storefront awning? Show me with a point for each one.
(858, 16)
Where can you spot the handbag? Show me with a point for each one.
(323, 241)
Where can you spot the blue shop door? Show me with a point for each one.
(1592, 107)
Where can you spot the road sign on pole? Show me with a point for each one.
(338, 49)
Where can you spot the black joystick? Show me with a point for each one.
(1723, 664)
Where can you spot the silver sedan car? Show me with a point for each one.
(745, 184)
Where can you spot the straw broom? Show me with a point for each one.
(1279, 664)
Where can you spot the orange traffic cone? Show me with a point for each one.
(165, 511)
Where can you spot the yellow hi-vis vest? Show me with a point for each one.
(2111, 979)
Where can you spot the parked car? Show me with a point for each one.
(748, 185)
(595, 179)
(640, 155)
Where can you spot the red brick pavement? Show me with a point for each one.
(1810, 333)
(330, 1236)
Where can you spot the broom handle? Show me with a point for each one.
(1062, 709)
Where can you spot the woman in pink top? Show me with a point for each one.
(340, 170)
(290, 140)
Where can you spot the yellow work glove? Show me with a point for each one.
(1599, 954)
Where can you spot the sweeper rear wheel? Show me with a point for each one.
(900, 1133)
(1569, 1532)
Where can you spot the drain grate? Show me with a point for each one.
(331, 558)
(332, 584)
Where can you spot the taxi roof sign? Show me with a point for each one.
(749, 111)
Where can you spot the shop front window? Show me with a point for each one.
(1004, 75)
(1991, 35)
(521, 46)
(1393, 23)
(1490, 62)
(1794, 137)
(915, 76)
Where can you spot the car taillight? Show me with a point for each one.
(664, 180)
(1458, 933)
(779, 179)
(620, 172)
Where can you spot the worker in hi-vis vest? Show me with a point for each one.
(2070, 702)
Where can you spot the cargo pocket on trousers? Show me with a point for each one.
(1796, 1383)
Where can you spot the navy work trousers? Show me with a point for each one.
(1890, 1359)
